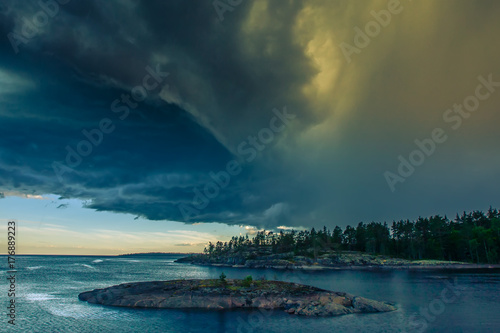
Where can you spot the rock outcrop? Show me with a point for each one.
(216, 294)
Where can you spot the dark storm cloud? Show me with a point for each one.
(88, 55)
(351, 119)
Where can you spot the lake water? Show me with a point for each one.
(428, 301)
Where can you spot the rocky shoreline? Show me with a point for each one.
(219, 294)
(330, 261)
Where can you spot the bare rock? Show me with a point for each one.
(213, 294)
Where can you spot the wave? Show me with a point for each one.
(39, 297)
(32, 268)
(97, 261)
(80, 311)
(84, 265)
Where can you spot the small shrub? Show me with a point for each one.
(222, 278)
(247, 281)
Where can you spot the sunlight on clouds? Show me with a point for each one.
(256, 23)
(261, 30)
(284, 227)
(332, 95)
(38, 197)
(313, 31)
(393, 69)
(27, 196)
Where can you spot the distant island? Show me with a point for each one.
(326, 261)
(471, 240)
(220, 294)
(151, 254)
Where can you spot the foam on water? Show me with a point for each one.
(34, 297)
(83, 311)
(97, 261)
(33, 268)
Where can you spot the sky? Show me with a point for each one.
(137, 126)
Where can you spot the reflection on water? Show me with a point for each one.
(428, 301)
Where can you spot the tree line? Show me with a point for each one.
(472, 237)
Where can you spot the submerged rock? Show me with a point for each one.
(215, 294)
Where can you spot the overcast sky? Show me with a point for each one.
(260, 113)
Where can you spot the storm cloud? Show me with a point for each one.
(184, 112)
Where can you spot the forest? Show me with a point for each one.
(470, 237)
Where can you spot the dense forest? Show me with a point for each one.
(472, 237)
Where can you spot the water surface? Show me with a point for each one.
(428, 301)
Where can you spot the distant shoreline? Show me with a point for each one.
(365, 267)
(154, 253)
(329, 262)
(102, 255)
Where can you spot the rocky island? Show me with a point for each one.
(231, 294)
(469, 241)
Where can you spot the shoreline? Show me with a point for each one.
(363, 267)
(352, 265)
